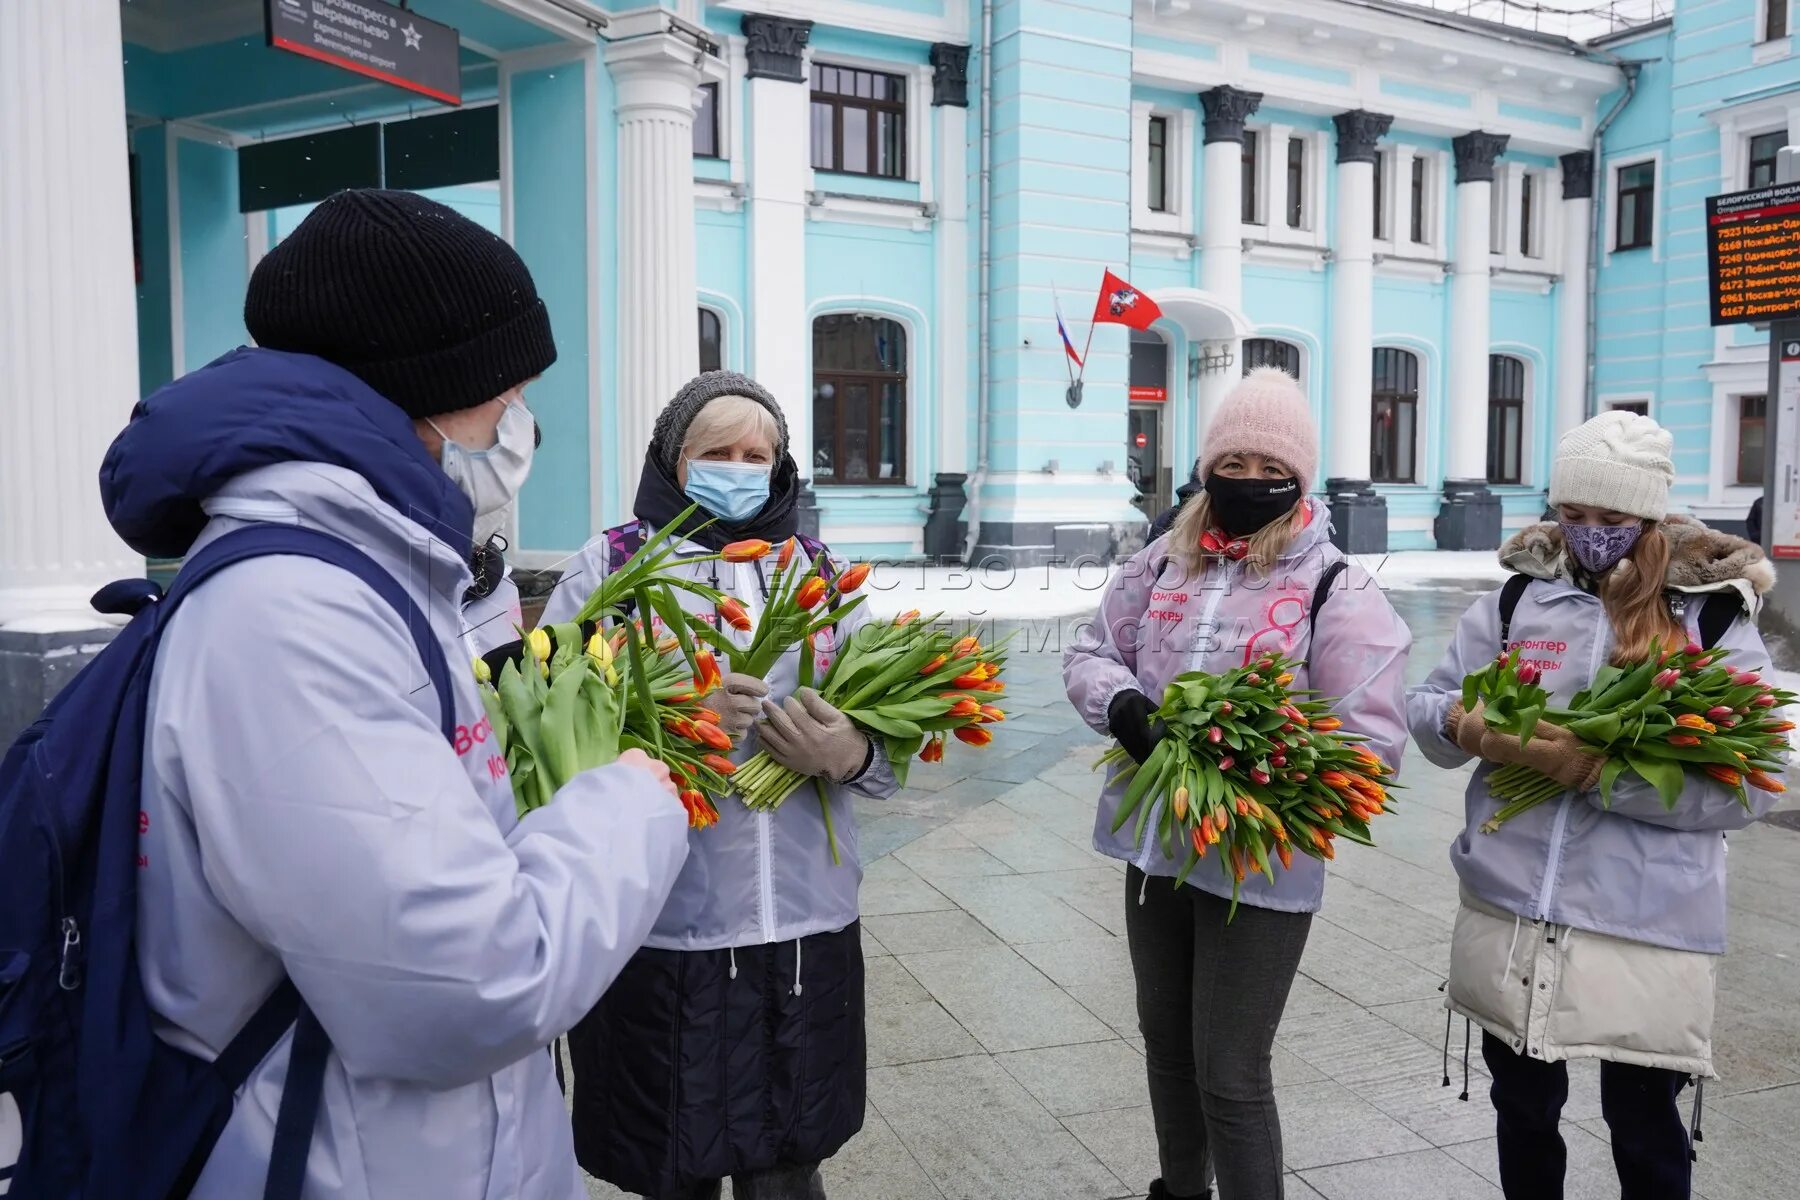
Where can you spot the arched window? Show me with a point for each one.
(1271, 352)
(859, 399)
(1506, 419)
(712, 341)
(1393, 436)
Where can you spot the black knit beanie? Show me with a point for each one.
(421, 303)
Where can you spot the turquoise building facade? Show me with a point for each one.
(879, 210)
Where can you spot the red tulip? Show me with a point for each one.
(1332, 724)
(1257, 776)
(711, 735)
(932, 666)
(1226, 763)
(1528, 674)
(1253, 680)
(1718, 713)
(964, 707)
(1683, 739)
(964, 647)
(1199, 841)
(706, 671)
(1666, 679)
(787, 554)
(1694, 648)
(746, 551)
(809, 594)
(972, 735)
(852, 579)
(734, 614)
(906, 618)
(1767, 782)
(1226, 708)
(1766, 700)
(720, 763)
(969, 682)
(990, 713)
(1215, 735)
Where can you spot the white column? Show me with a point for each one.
(657, 80)
(68, 315)
(1353, 292)
(1469, 312)
(1572, 291)
(1221, 232)
(780, 176)
(951, 329)
(1221, 225)
(1352, 322)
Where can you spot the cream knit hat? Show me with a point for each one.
(1266, 414)
(1618, 460)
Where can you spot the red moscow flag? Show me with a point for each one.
(1122, 304)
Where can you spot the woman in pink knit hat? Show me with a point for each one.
(1247, 569)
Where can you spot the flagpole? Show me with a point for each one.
(1056, 302)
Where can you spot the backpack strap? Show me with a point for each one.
(1510, 592)
(1321, 590)
(285, 1007)
(1717, 611)
(623, 541)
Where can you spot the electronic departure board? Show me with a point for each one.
(1753, 250)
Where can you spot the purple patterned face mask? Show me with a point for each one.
(1600, 547)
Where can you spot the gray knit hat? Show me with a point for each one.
(672, 425)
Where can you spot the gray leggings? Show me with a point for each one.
(1210, 997)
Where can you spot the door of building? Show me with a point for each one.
(1146, 435)
(1144, 458)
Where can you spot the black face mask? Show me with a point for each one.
(1243, 506)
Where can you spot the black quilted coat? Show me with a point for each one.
(684, 1073)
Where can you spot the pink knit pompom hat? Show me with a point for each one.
(1266, 414)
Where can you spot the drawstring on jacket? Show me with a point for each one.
(1694, 1134)
(1145, 889)
(733, 953)
(796, 966)
(1448, 1015)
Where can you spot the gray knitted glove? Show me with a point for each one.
(736, 700)
(809, 736)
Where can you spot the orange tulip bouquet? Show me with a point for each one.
(1677, 712)
(1252, 768)
(903, 681)
(573, 696)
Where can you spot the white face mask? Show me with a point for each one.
(491, 478)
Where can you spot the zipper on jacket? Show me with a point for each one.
(1553, 858)
(765, 871)
(1206, 622)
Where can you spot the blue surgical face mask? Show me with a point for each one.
(734, 491)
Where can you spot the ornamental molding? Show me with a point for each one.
(1476, 153)
(1358, 132)
(949, 75)
(775, 47)
(1578, 175)
(1227, 108)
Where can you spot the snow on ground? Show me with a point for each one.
(1039, 593)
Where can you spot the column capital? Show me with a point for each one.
(776, 44)
(1475, 155)
(949, 75)
(1578, 175)
(654, 73)
(1357, 132)
(1227, 108)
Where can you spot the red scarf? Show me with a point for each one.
(1217, 542)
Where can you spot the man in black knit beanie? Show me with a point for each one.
(323, 800)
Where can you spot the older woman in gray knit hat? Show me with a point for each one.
(732, 1045)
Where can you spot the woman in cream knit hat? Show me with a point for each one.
(1238, 575)
(1588, 929)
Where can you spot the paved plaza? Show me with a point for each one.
(1004, 1056)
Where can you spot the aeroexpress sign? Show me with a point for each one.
(371, 38)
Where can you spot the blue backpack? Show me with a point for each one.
(110, 1110)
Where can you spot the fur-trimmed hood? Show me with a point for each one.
(1700, 559)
